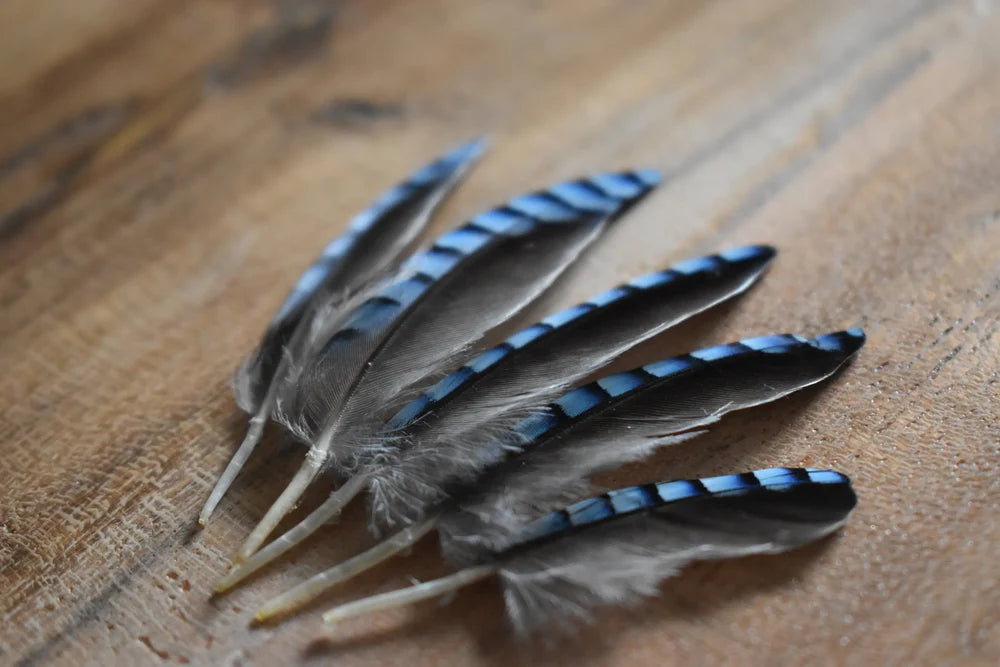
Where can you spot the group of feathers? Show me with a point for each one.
(363, 364)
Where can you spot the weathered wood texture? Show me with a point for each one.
(167, 168)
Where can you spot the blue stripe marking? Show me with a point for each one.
(448, 163)
(363, 221)
(630, 499)
(543, 208)
(410, 411)
(745, 253)
(568, 315)
(762, 343)
(499, 221)
(652, 279)
(488, 358)
(840, 341)
(312, 278)
(649, 177)
(579, 400)
(610, 296)
(619, 383)
(449, 383)
(825, 476)
(697, 265)
(372, 314)
(667, 367)
(434, 264)
(405, 292)
(719, 352)
(525, 336)
(583, 197)
(589, 511)
(464, 239)
(725, 484)
(617, 185)
(338, 247)
(774, 476)
(537, 425)
(671, 491)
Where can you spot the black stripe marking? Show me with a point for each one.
(445, 250)
(385, 300)
(799, 474)
(551, 196)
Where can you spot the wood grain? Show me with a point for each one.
(167, 169)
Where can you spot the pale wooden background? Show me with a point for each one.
(167, 168)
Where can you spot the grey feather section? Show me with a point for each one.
(370, 247)
(623, 559)
(441, 301)
(624, 418)
(441, 435)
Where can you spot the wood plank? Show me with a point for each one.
(167, 170)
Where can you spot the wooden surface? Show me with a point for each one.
(167, 169)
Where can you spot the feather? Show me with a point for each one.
(617, 547)
(372, 244)
(597, 427)
(442, 300)
(435, 437)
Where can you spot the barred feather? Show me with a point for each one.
(374, 240)
(618, 547)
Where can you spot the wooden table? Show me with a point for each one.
(167, 169)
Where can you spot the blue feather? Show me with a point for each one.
(631, 500)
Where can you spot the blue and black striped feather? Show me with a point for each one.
(445, 298)
(439, 435)
(623, 418)
(370, 247)
(617, 547)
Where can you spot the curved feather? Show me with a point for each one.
(441, 434)
(623, 418)
(373, 241)
(617, 547)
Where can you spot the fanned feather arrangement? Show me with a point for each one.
(441, 434)
(618, 419)
(437, 304)
(376, 366)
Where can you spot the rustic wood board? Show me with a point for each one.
(167, 168)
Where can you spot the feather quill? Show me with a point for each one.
(600, 426)
(434, 438)
(441, 301)
(372, 244)
(617, 547)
